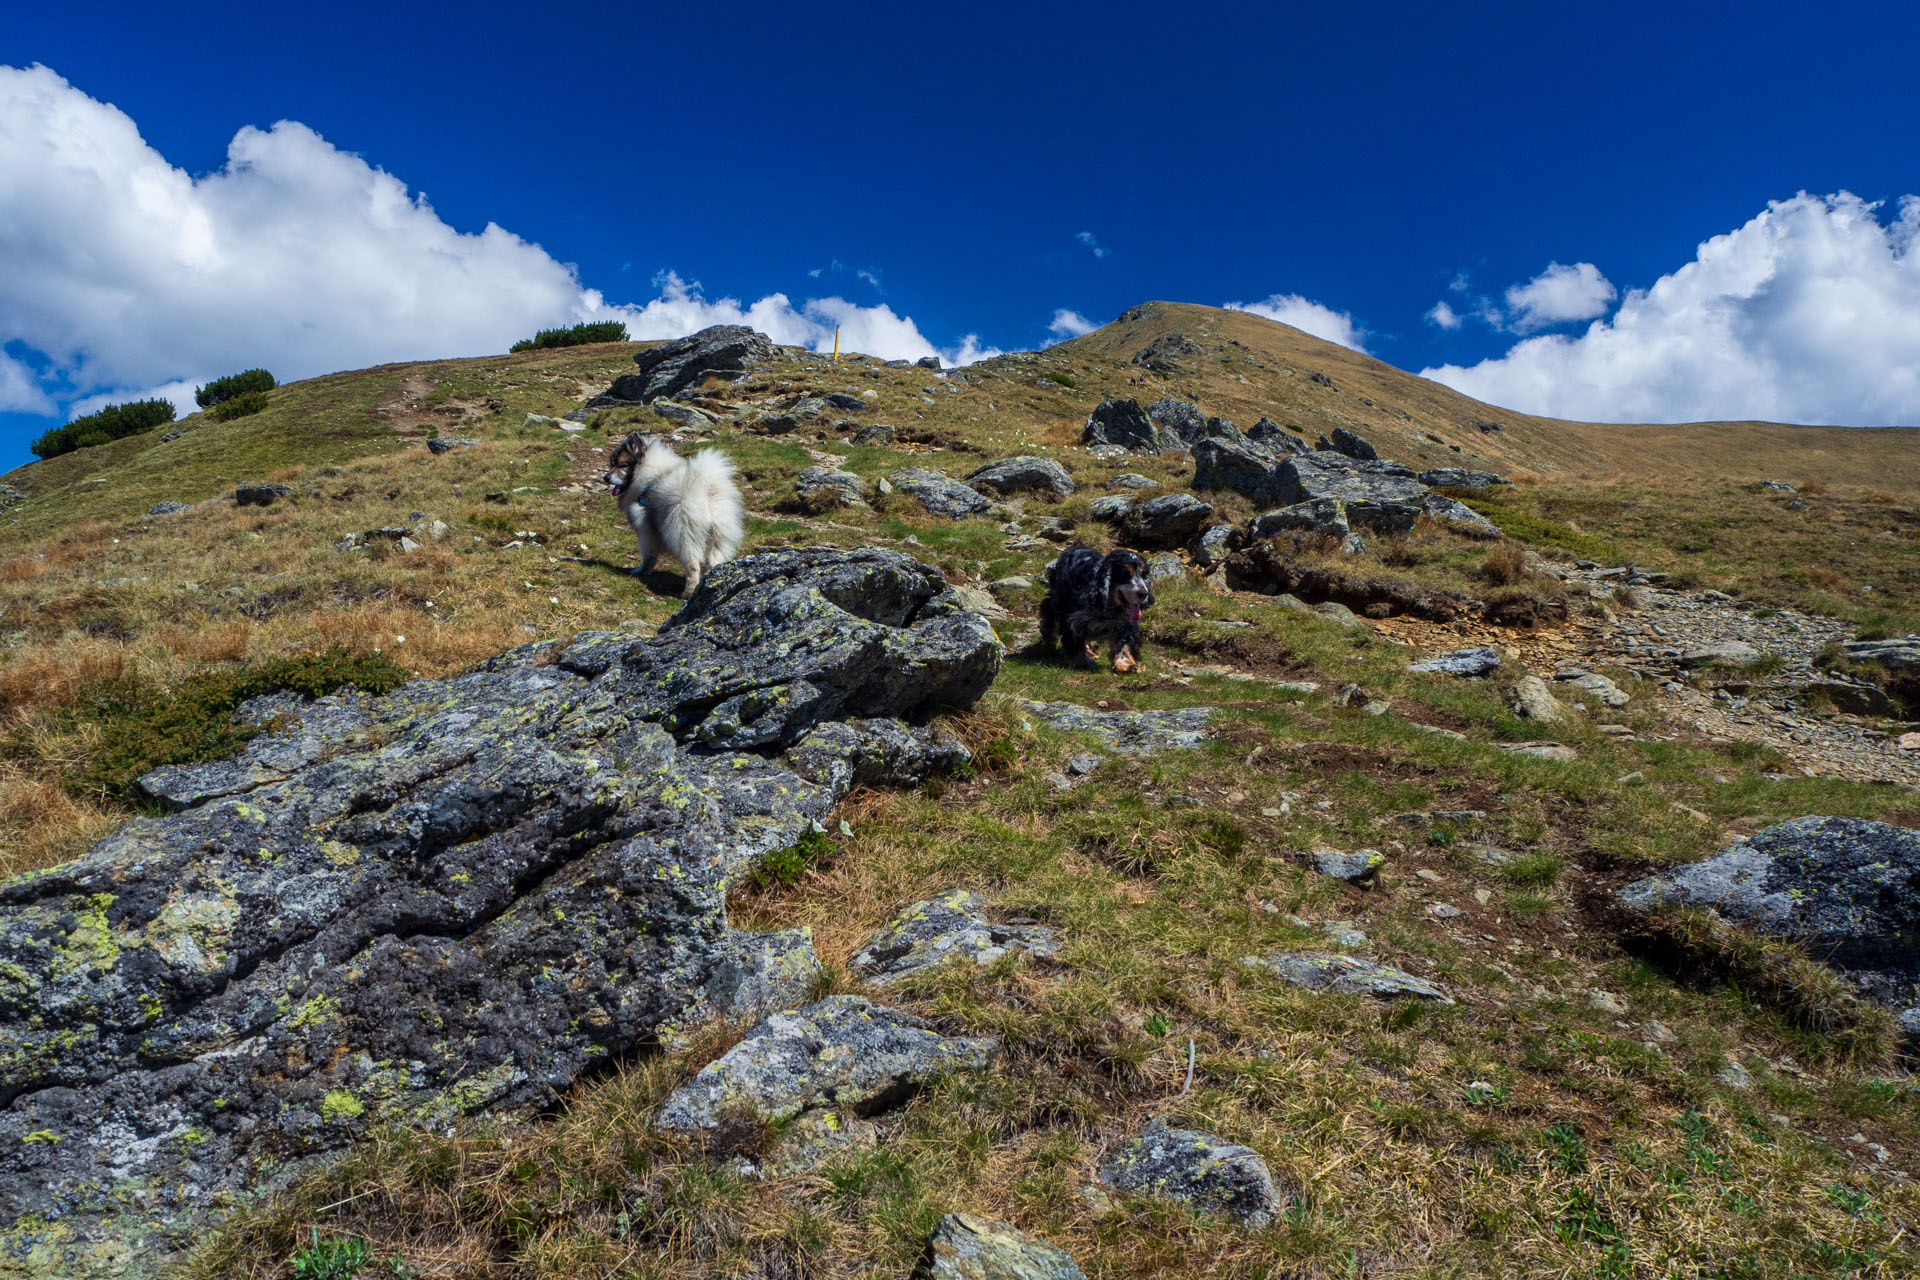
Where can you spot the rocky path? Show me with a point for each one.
(1716, 666)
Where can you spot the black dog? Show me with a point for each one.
(1091, 597)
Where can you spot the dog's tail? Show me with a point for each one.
(713, 503)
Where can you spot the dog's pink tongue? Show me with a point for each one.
(1133, 613)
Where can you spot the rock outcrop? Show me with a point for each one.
(1023, 474)
(927, 933)
(452, 898)
(1371, 493)
(1847, 888)
(720, 351)
(1123, 424)
(939, 493)
(1348, 975)
(964, 1247)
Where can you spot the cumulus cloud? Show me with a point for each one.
(1559, 295)
(1442, 314)
(1069, 324)
(1099, 250)
(125, 273)
(1808, 313)
(1308, 316)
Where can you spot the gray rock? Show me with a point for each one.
(938, 493)
(1199, 1169)
(1899, 654)
(1014, 588)
(1333, 611)
(928, 362)
(1084, 763)
(1345, 441)
(1594, 683)
(1347, 975)
(1354, 867)
(1460, 478)
(1730, 653)
(1778, 486)
(1238, 465)
(1165, 566)
(452, 898)
(877, 433)
(981, 601)
(1856, 697)
(846, 403)
(1023, 474)
(753, 975)
(1213, 545)
(1460, 662)
(964, 1247)
(1530, 698)
(1130, 480)
(844, 754)
(1277, 438)
(1124, 424)
(1321, 515)
(1458, 517)
(844, 1050)
(168, 508)
(260, 495)
(684, 415)
(826, 488)
(721, 351)
(1847, 888)
(1134, 733)
(1164, 521)
(928, 933)
(1540, 750)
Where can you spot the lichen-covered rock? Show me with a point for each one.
(1320, 515)
(1348, 975)
(168, 508)
(825, 488)
(940, 494)
(451, 898)
(1846, 887)
(1460, 478)
(1134, 733)
(1124, 424)
(447, 444)
(1354, 867)
(964, 1247)
(1165, 521)
(1209, 1173)
(1460, 662)
(955, 923)
(1594, 683)
(1023, 474)
(1353, 446)
(1243, 466)
(753, 975)
(843, 1051)
(1531, 698)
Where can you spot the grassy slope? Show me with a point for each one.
(1586, 1153)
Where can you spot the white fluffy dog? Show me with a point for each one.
(686, 507)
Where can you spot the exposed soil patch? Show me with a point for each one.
(1265, 569)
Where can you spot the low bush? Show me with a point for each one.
(142, 726)
(1505, 565)
(238, 406)
(579, 335)
(234, 385)
(114, 422)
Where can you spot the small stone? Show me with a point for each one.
(1355, 867)
(929, 932)
(964, 1247)
(1483, 896)
(1734, 1075)
(1460, 662)
(1347, 975)
(1444, 910)
(1207, 1172)
(1541, 750)
(1606, 1002)
(1531, 699)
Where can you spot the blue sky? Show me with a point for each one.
(974, 172)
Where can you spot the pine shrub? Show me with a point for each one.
(114, 422)
(579, 335)
(220, 390)
(238, 406)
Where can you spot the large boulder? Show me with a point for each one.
(1277, 438)
(1123, 424)
(1372, 493)
(1165, 521)
(1022, 474)
(1240, 465)
(1460, 478)
(1847, 888)
(939, 493)
(825, 488)
(720, 351)
(1354, 446)
(459, 896)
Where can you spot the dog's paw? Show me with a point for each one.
(1126, 664)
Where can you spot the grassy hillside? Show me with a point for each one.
(1574, 1114)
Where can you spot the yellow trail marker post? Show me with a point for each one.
(836, 342)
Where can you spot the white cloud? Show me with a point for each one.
(1558, 295)
(1809, 313)
(179, 393)
(19, 392)
(1443, 315)
(1099, 250)
(1069, 324)
(1308, 316)
(128, 274)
